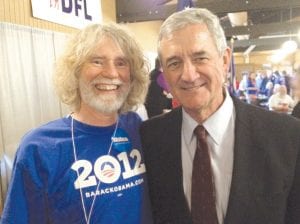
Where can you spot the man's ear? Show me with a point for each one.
(227, 59)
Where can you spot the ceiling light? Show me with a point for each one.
(277, 36)
(289, 46)
(249, 49)
(238, 18)
(278, 56)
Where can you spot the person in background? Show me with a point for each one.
(157, 101)
(296, 92)
(286, 81)
(166, 92)
(241, 93)
(278, 79)
(280, 101)
(247, 179)
(263, 91)
(87, 167)
(251, 89)
(270, 84)
(261, 83)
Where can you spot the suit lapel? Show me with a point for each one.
(171, 146)
(174, 150)
(172, 153)
(248, 161)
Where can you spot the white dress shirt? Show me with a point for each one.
(220, 139)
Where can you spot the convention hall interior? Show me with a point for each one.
(264, 37)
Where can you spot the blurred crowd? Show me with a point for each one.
(277, 91)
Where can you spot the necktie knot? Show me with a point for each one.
(200, 132)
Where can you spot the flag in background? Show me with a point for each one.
(232, 76)
(182, 4)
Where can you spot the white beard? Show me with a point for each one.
(107, 103)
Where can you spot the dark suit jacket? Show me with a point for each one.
(296, 110)
(265, 186)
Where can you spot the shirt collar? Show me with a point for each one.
(215, 125)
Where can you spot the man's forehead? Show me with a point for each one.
(196, 27)
(177, 44)
(187, 35)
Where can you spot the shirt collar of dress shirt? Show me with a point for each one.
(215, 125)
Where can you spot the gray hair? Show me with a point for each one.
(81, 47)
(190, 16)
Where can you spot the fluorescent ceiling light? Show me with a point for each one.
(287, 48)
(249, 49)
(277, 36)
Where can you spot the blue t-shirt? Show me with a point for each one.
(46, 178)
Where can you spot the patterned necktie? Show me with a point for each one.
(203, 207)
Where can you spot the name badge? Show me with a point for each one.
(121, 141)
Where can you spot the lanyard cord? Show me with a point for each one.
(88, 217)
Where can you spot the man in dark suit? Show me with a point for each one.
(296, 92)
(254, 153)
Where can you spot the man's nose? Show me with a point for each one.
(110, 70)
(189, 73)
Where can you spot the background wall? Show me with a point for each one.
(19, 12)
(146, 33)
